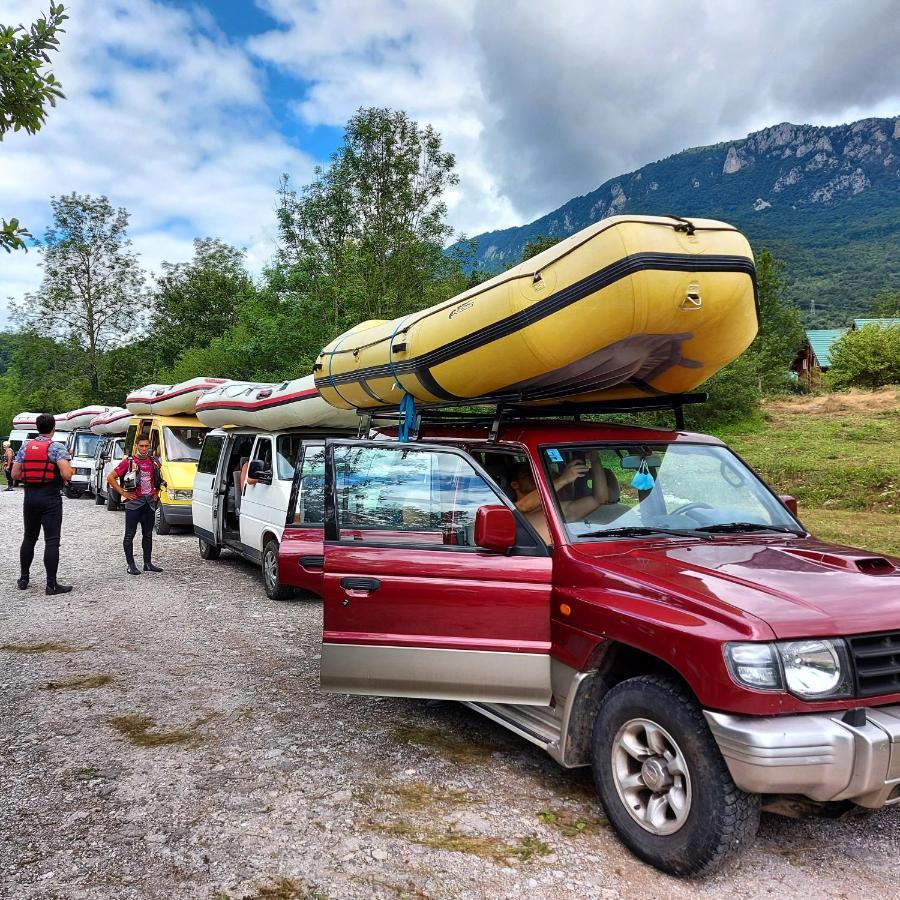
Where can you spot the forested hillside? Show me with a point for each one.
(824, 200)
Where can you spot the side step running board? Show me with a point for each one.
(537, 724)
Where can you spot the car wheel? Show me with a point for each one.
(98, 498)
(275, 590)
(209, 551)
(162, 526)
(662, 780)
(112, 500)
(71, 493)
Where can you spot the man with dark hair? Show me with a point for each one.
(42, 465)
(142, 496)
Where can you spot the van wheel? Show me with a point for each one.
(162, 526)
(662, 780)
(98, 498)
(112, 500)
(71, 493)
(209, 551)
(275, 590)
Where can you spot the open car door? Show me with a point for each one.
(413, 606)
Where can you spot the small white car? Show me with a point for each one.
(110, 452)
(249, 518)
(82, 444)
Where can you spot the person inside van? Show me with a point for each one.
(528, 498)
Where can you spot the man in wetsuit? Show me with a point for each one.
(42, 465)
(141, 502)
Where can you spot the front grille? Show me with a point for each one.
(876, 658)
(84, 472)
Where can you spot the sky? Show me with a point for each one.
(187, 112)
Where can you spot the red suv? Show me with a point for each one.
(632, 599)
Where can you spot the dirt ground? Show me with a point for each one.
(165, 736)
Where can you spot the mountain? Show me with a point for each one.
(825, 200)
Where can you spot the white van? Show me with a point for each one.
(249, 521)
(110, 452)
(82, 444)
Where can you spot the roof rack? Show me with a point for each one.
(496, 413)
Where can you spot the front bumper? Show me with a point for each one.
(817, 755)
(177, 515)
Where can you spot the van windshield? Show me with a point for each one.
(605, 491)
(183, 444)
(85, 444)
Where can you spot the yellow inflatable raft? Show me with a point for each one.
(633, 306)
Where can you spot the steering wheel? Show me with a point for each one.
(696, 504)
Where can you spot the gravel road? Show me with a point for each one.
(164, 736)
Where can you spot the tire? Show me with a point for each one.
(112, 501)
(71, 494)
(162, 526)
(700, 817)
(98, 498)
(275, 590)
(209, 551)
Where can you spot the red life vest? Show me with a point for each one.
(37, 468)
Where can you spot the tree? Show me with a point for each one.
(197, 301)
(885, 305)
(868, 357)
(25, 90)
(92, 292)
(541, 243)
(367, 234)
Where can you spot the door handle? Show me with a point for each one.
(313, 562)
(363, 585)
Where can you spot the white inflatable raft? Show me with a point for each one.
(113, 421)
(81, 418)
(27, 421)
(271, 407)
(170, 399)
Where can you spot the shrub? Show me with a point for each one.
(867, 358)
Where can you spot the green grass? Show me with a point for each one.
(839, 455)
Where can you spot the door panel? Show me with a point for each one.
(301, 559)
(205, 494)
(412, 606)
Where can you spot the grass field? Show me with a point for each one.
(839, 455)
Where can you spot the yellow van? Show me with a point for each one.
(176, 440)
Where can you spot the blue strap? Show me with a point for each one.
(407, 418)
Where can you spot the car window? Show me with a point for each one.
(287, 447)
(311, 489)
(182, 444)
(409, 494)
(262, 452)
(209, 455)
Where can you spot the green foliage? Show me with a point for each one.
(12, 235)
(24, 88)
(92, 292)
(538, 245)
(198, 301)
(885, 305)
(866, 358)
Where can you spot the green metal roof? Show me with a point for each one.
(881, 323)
(821, 340)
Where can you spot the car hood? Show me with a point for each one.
(800, 588)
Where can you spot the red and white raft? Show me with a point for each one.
(271, 407)
(81, 418)
(113, 421)
(170, 399)
(27, 421)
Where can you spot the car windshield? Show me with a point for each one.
(606, 491)
(183, 444)
(85, 444)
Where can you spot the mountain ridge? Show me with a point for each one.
(824, 199)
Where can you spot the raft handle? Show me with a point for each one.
(685, 225)
(399, 348)
(537, 277)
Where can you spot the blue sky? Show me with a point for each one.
(186, 112)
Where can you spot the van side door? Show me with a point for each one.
(301, 559)
(258, 500)
(207, 497)
(413, 607)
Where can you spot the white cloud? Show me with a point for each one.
(164, 116)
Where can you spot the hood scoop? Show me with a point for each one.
(854, 562)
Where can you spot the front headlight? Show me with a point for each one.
(811, 669)
(816, 668)
(180, 495)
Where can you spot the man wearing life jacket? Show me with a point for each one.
(142, 477)
(42, 465)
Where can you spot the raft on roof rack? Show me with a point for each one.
(633, 306)
(113, 421)
(170, 399)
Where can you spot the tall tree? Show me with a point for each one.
(92, 292)
(197, 301)
(25, 90)
(368, 233)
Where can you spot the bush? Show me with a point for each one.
(867, 358)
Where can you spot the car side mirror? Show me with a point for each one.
(495, 528)
(789, 502)
(259, 472)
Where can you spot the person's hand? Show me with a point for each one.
(573, 471)
(128, 495)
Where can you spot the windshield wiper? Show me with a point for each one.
(735, 527)
(625, 531)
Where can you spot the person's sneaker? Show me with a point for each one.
(149, 567)
(22, 582)
(57, 588)
(133, 570)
